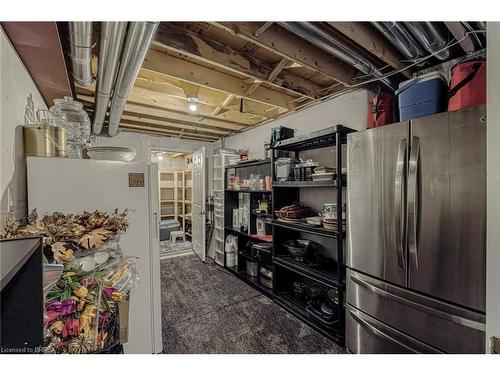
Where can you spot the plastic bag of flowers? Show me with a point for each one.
(82, 308)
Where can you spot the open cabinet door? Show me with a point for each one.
(198, 228)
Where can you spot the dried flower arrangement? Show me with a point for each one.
(81, 309)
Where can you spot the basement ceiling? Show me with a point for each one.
(246, 73)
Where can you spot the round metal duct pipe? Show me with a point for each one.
(139, 37)
(80, 40)
(430, 37)
(405, 43)
(323, 40)
(111, 38)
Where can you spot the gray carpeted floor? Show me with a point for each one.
(207, 310)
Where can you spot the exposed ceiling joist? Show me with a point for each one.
(169, 126)
(278, 68)
(200, 47)
(289, 46)
(172, 115)
(368, 38)
(206, 97)
(187, 71)
(158, 131)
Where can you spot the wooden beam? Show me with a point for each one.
(172, 115)
(143, 96)
(161, 132)
(371, 40)
(278, 68)
(187, 71)
(289, 46)
(202, 48)
(205, 96)
(169, 126)
(222, 108)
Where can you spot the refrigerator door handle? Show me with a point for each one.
(399, 192)
(377, 332)
(413, 200)
(466, 322)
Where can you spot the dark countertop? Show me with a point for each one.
(13, 254)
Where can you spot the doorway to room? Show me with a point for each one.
(175, 187)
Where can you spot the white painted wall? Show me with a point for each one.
(144, 143)
(349, 109)
(493, 186)
(15, 86)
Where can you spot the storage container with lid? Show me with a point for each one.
(422, 96)
(284, 168)
(71, 111)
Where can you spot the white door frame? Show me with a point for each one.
(199, 208)
(493, 186)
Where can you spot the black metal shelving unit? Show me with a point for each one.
(230, 202)
(285, 268)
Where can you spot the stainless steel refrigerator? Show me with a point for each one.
(416, 257)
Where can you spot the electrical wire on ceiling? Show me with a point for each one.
(417, 62)
(353, 87)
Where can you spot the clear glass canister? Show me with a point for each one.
(73, 112)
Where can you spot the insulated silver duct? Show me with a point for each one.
(111, 38)
(429, 37)
(139, 37)
(401, 39)
(323, 40)
(80, 41)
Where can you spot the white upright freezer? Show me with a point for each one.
(73, 185)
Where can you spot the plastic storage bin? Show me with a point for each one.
(422, 96)
(167, 226)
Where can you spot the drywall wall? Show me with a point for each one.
(16, 86)
(493, 185)
(349, 109)
(144, 143)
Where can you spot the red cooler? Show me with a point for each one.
(468, 85)
(380, 110)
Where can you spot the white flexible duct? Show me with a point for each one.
(80, 40)
(112, 36)
(139, 37)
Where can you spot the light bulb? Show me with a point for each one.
(160, 157)
(193, 107)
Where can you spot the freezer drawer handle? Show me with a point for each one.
(399, 191)
(378, 332)
(413, 200)
(417, 306)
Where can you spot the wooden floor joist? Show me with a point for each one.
(289, 46)
(368, 38)
(207, 50)
(187, 71)
(172, 115)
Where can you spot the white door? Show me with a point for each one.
(154, 250)
(199, 203)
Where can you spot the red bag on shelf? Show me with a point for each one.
(380, 110)
(467, 85)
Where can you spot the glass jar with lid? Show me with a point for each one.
(71, 111)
